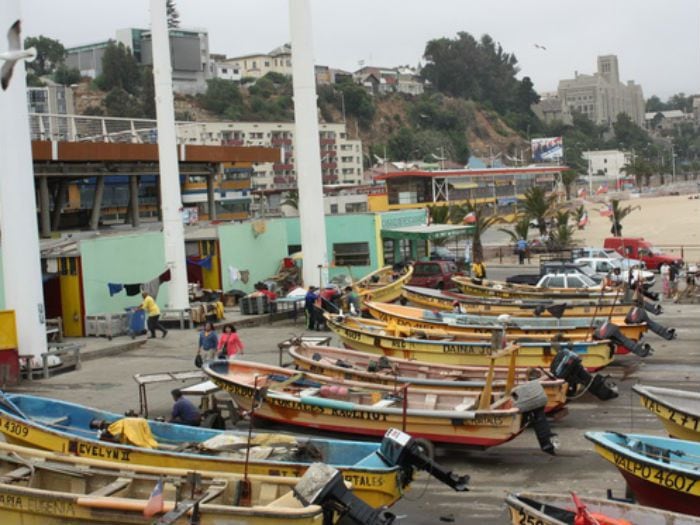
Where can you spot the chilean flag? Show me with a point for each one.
(603, 188)
(470, 218)
(584, 220)
(607, 211)
(155, 501)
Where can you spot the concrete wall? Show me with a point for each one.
(260, 255)
(124, 259)
(2, 286)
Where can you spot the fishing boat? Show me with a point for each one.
(660, 472)
(445, 300)
(312, 401)
(509, 291)
(678, 410)
(64, 427)
(441, 346)
(471, 325)
(45, 488)
(359, 366)
(383, 285)
(561, 509)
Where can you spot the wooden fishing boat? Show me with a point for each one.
(444, 300)
(359, 366)
(660, 472)
(441, 346)
(63, 427)
(678, 410)
(44, 488)
(522, 291)
(471, 325)
(560, 509)
(383, 285)
(313, 401)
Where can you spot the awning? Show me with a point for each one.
(464, 185)
(433, 231)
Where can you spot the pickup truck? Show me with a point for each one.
(602, 267)
(625, 263)
(641, 249)
(550, 267)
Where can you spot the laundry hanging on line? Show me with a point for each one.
(204, 263)
(132, 289)
(114, 288)
(150, 287)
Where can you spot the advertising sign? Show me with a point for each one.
(547, 149)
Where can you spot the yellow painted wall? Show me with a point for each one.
(71, 299)
(378, 202)
(211, 278)
(8, 330)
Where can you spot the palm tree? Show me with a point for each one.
(640, 168)
(520, 229)
(438, 214)
(567, 179)
(481, 223)
(291, 199)
(539, 206)
(562, 236)
(619, 213)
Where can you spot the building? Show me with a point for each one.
(189, 56)
(383, 80)
(341, 157)
(53, 100)
(600, 96)
(257, 65)
(607, 163)
(666, 120)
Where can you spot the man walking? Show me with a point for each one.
(153, 312)
(310, 308)
(521, 248)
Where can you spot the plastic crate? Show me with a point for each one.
(106, 325)
(255, 305)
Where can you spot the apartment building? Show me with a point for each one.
(55, 100)
(257, 65)
(341, 157)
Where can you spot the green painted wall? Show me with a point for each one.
(356, 227)
(261, 255)
(125, 259)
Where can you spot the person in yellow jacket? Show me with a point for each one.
(153, 312)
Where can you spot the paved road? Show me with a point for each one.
(107, 383)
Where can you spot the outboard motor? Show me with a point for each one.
(531, 399)
(399, 448)
(323, 485)
(654, 308)
(567, 365)
(611, 331)
(637, 315)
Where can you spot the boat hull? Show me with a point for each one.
(679, 421)
(507, 291)
(387, 293)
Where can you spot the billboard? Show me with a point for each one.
(547, 149)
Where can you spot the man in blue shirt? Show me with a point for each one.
(312, 320)
(184, 412)
(521, 248)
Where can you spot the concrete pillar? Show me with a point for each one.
(307, 151)
(171, 200)
(44, 207)
(21, 259)
(211, 197)
(59, 202)
(134, 200)
(97, 203)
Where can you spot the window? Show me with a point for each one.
(351, 254)
(602, 266)
(355, 207)
(576, 282)
(334, 209)
(556, 281)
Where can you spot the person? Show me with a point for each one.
(456, 307)
(310, 308)
(521, 248)
(229, 342)
(153, 312)
(327, 302)
(184, 412)
(614, 278)
(664, 270)
(478, 271)
(673, 274)
(353, 300)
(208, 342)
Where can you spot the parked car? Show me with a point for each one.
(440, 253)
(608, 253)
(641, 249)
(567, 280)
(603, 266)
(549, 267)
(434, 274)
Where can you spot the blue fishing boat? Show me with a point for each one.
(379, 472)
(660, 472)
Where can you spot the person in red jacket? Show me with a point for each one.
(229, 343)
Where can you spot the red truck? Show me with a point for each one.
(638, 248)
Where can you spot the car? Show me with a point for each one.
(440, 253)
(434, 274)
(641, 249)
(567, 280)
(553, 266)
(603, 266)
(608, 253)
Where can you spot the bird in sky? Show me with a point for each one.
(538, 46)
(13, 54)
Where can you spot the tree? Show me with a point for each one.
(481, 223)
(119, 70)
(120, 103)
(520, 229)
(66, 75)
(539, 206)
(439, 214)
(402, 145)
(562, 235)
(291, 199)
(568, 177)
(618, 213)
(628, 133)
(358, 103)
(221, 95)
(172, 14)
(49, 54)
(148, 93)
(640, 169)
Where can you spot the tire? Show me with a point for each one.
(426, 446)
(440, 285)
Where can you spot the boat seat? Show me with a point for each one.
(309, 392)
(14, 475)
(287, 501)
(431, 401)
(112, 488)
(466, 404)
(48, 421)
(268, 493)
(384, 403)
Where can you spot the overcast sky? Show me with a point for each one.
(657, 41)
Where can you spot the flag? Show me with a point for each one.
(582, 193)
(584, 220)
(155, 501)
(602, 189)
(470, 218)
(606, 211)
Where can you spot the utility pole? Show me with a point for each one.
(673, 164)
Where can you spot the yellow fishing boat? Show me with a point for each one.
(384, 285)
(442, 300)
(44, 488)
(441, 346)
(359, 366)
(481, 326)
(678, 410)
(521, 291)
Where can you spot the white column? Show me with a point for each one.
(307, 152)
(21, 263)
(170, 198)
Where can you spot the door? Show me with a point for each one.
(211, 275)
(72, 308)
